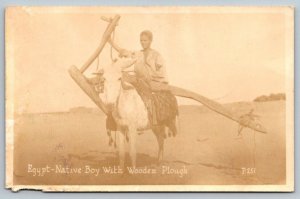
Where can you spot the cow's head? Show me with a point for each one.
(112, 77)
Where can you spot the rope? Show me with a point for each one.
(111, 51)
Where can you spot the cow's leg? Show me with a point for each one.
(159, 132)
(110, 139)
(172, 124)
(161, 148)
(132, 132)
(121, 149)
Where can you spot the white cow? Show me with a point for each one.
(129, 110)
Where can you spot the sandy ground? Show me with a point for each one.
(207, 149)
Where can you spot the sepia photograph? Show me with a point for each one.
(156, 99)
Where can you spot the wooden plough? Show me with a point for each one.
(81, 80)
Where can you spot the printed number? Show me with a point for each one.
(248, 171)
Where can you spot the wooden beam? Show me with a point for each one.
(82, 82)
(219, 108)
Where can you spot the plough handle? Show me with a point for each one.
(106, 36)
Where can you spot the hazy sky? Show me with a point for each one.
(227, 56)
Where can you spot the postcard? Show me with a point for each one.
(156, 99)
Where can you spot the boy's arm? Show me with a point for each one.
(159, 62)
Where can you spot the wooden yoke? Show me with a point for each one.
(106, 36)
(78, 76)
